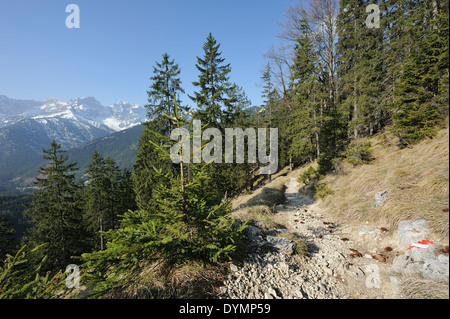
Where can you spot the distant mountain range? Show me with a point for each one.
(27, 126)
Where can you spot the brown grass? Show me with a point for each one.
(191, 280)
(419, 288)
(418, 178)
(259, 205)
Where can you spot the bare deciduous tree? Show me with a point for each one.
(321, 17)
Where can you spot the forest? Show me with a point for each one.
(334, 81)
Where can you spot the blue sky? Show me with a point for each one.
(111, 56)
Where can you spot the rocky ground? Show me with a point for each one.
(342, 261)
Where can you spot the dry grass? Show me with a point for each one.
(259, 205)
(418, 288)
(418, 178)
(191, 280)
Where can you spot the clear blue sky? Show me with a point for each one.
(112, 54)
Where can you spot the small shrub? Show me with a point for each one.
(325, 162)
(338, 167)
(307, 175)
(322, 190)
(358, 153)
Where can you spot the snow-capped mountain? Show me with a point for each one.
(117, 116)
(28, 126)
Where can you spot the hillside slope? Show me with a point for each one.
(417, 178)
(361, 236)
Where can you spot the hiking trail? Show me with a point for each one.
(339, 263)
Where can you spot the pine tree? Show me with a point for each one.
(147, 161)
(183, 224)
(113, 178)
(219, 105)
(96, 197)
(269, 94)
(361, 69)
(127, 196)
(213, 83)
(165, 83)
(235, 114)
(55, 211)
(421, 95)
(303, 127)
(108, 193)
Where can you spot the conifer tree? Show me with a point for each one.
(147, 161)
(421, 96)
(127, 196)
(113, 178)
(165, 82)
(361, 69)
(182, 224)
(212, 97)
(235, 114)
(269, 94)
(96, 197)
(304, 123)
(108, 193)
(55, 211)
(219, 105)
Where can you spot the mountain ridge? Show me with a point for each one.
(28, 126)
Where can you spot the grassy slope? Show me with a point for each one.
(258, 205)
(418, 178)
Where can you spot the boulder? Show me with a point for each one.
(282, 244)
(422, 261)
(411, 231)
(436, 268)
(257, 241)
(276, 231)
(381, 198)
(251, 232)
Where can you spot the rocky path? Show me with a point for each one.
(333, 267)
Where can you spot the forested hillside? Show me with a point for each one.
(332, 82)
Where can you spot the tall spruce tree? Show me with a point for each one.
(219, 103)
(108, 193)
(212, 97)
(165, 83)
(55, 211)
(96, 198)
(304, 123)
(147, 162)
(235, 114)
(421, 94)
(127, 196)
(269, 94)
(361, 69)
